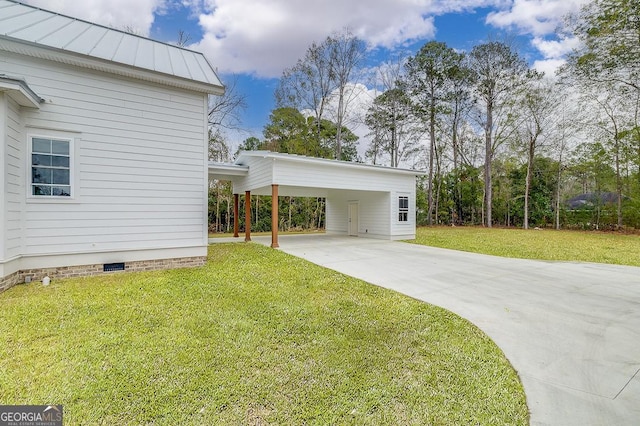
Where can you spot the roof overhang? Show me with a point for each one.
(97, 64)
(227, 171)
(276, 156)
(19, 91)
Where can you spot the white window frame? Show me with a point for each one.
(45, 134)
(403, 212)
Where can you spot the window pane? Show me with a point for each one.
(41, 190)
(40, 175)
(40, 160)
(51, 167)
(41, 145)
(60, 147)
(64, 191)
(60, 161)
(60, 176)
(403, 202)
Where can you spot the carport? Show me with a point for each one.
(361, 200)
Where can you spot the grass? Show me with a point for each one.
(254, 337)
(598, 247)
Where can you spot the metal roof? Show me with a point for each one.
(324, 161)
(39, 27)
(19, 91)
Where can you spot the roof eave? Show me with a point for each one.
(227, 171)
(83, 61)
(326, 161)
(20, 91)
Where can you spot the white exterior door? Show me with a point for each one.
(353, 219)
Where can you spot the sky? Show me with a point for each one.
(253, 41)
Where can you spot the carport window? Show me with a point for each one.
(403, 209)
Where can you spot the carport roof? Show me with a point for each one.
(242, 157)
(298, 175)
(227, 171)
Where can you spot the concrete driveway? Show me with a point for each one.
(571, 330)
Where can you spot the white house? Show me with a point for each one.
(103, 146)
(103, 143)
(361, 200)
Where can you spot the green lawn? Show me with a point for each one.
(254, 337)
(599, 247)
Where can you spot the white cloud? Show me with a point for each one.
(554, 49)
(135, 14)
(537, 17)
(548, 66)
(245, 36)
(262, 38)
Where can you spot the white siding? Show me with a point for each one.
(3, 189)
(260, 176)
(373, 212)
(337, 176)
(139, 161)
(15, 183)
(403, 230)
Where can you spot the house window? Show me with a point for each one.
(403, 209)
(50, 167)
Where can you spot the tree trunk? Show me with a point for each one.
(257, 202)
(339, 124)
(558, 194)
(432, 144)
(527, 185)
(457, 194)
(290, 208)
(488, 157)
(618, 181)
(217, 206)
(438, 187)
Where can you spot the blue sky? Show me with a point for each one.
(255, 40)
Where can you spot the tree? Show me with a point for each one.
(610, 35)
(538, 120)
(219, 191)
(328, 139)
(346, 53)
(287, 132)
(428, 76)
(290, 132)
(225, 111)
(610, 124)
(321, 77)
(391, 120)
(498, 72)
(458, 104)
(250, 144)
(309, 84)
(218, 147)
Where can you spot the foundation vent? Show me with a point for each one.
(111, 267)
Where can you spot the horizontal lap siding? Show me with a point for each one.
(373, 212)
(407, 228)
(14, 186)
(330, 176)
(140, 159)
(259, 177)
(336, 214)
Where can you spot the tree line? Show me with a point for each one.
(502, 144)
